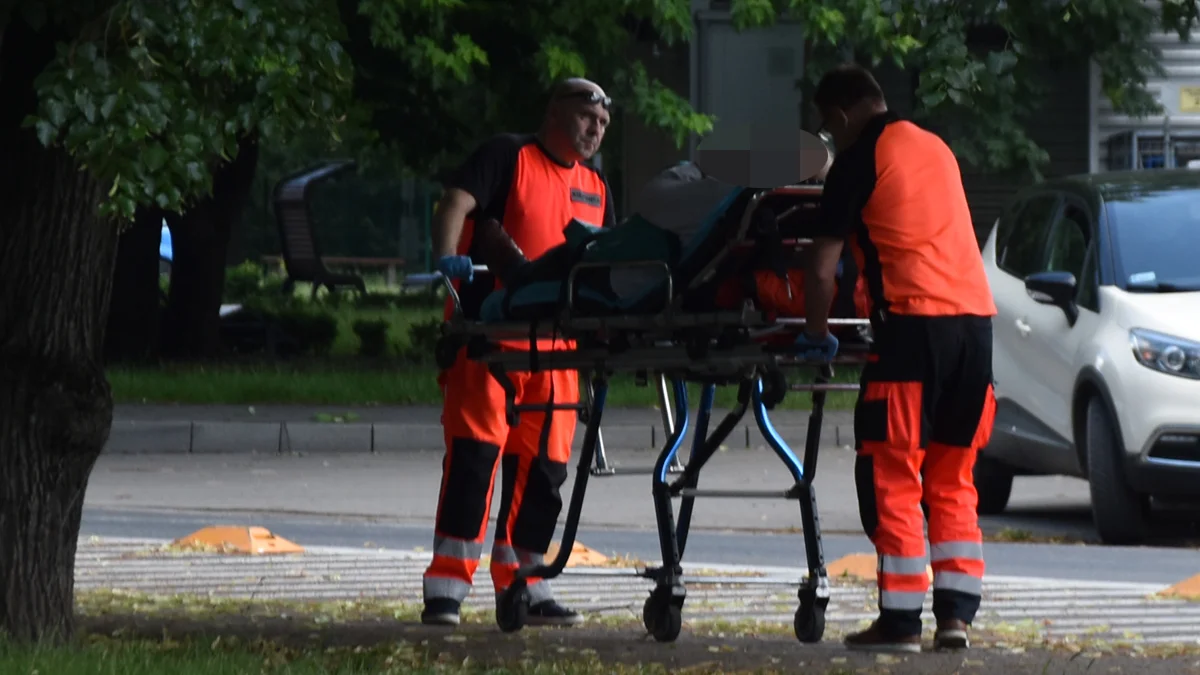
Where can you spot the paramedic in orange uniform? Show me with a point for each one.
(533, 185)
(895, 194)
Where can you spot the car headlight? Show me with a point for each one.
(1166, 353)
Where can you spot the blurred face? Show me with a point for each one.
(581, 118)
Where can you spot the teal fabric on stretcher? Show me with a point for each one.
(540, 290)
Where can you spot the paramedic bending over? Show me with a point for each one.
(533, 185)
(895, 193)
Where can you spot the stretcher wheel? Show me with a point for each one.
(809, 623)
(512, 608)
(663, 619)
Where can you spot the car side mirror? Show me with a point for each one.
(1054, 288)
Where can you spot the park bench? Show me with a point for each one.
(301, 257)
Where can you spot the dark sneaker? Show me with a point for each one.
(951, 634)
(440, 612)
(874, 640)
(550, 613)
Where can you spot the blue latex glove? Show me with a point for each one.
(457, 267)
(813, 348)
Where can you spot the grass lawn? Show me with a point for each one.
(363, 386)
(134, 634)
(404, 376)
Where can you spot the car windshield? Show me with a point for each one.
(1156, 236)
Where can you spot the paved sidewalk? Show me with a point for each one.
(279, 429)
(1042, 608)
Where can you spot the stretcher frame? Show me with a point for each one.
(719, 348)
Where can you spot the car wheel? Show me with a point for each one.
(1119, 513)
(993, 483)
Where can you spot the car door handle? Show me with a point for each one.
(1023, 328)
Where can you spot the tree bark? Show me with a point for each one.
(56, 262)
(135, 310)
(192, 322)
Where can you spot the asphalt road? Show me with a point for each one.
(1076, 562)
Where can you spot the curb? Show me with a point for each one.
(297, 437)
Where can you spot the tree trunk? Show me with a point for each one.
(192, 322)
(56, 258)
(133, 317)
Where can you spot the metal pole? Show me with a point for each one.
(668, 418)
(600, 464)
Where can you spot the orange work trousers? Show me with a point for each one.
(925, 408)
(534, 455)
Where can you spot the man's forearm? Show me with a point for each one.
(820, 284)
(818, 294)
(448, 219)
(447, 231)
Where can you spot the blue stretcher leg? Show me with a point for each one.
(703, 415)
(662, 613)
(814, 590)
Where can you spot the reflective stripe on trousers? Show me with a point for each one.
(903, 582)
(958, 566)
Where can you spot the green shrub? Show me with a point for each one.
(314, 329)
(242, 282)
(422, 340)
(372, 300)
(372, 336)
(271, 285)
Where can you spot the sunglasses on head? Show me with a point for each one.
(591, 97)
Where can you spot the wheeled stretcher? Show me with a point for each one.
(679, 330)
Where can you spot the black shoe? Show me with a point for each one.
(441, 612)
(550, 613)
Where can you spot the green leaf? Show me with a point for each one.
(153, 89)
(45, 133)
(57, 112)
(83, 101)
(155, 157)
(933, 98)
(106, 108)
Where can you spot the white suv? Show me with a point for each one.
(1097, 343)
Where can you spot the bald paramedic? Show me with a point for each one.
(895, 194)
(532, 185)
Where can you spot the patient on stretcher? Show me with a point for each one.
(680, 217)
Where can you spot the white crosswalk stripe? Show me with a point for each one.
(1053, 608)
